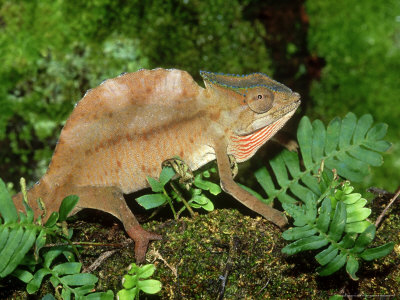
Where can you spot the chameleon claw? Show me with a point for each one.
(141, 238)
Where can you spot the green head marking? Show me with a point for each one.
(258, 90)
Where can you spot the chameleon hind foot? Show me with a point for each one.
(141, 238)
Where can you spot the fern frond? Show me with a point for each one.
(17, 233)
(315, 230)
(325, 210)
(349, 146)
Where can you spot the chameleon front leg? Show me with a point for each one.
(111, 200)
(230, 186)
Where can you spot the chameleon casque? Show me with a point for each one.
(124, 129)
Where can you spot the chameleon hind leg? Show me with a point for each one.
(111, 200)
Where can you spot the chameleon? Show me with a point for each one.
(124, 129)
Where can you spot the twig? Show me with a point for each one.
(263, 288)
(119, 245)
(233, 247)
(157, 255)
(99, 261)
(379, 219)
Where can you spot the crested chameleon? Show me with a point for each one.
(124, 129)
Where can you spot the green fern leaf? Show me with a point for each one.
(347, 145)
(316, 229)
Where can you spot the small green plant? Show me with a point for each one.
(20, 233)
(66, 276)
(137, 280)
(163, 194)
(325, 210)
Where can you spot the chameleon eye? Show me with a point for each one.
(261, 103)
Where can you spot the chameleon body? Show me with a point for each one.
(122, 131)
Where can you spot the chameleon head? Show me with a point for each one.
(256, 107)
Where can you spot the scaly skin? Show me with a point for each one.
(122, 131)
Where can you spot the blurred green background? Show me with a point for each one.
(340, 55)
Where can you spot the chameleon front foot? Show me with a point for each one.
(141, 238)
(182, 170)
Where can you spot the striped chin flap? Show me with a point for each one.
(245, 146)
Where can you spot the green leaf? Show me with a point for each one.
(80, 279)
(155, 185)
(152, 200)
(357, 227)
(377, 252)
(26, 243)
(347, 130)
(358, 215)
(297, 212)
(338, 223)
(4, 234)
(146, 271)
(35, 283)
(127, 294)
(279, 168)
(318, 141)
(377, 132)
(52, 220)
(7, 209)
(363, 125)
(50, 255)
(352, 267)
(149, 286)
(296, 233)
(326, 255)
(332, 135)
(311, 207)
(308, 243)
(304, 137)
(351, 198)
(324, 215)
(334, 265)
(166, 174)
(67, 205)
(67, 268)
(109, 295)
(265, 180)
(364, 239)
(129, 281)
(213, 188)
(22, 275)
(11, 246)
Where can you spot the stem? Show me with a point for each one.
(379, 219)
(187, 205)
(170, 203)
